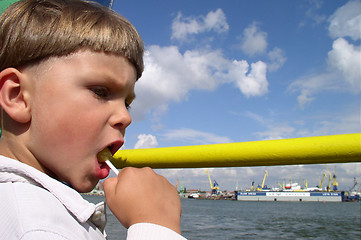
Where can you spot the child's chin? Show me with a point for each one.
(85, 189)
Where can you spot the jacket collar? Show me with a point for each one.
(14, 171)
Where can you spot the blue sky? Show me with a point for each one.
(236, 71)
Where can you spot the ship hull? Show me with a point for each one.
(290, 196)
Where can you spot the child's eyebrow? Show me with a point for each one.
(110, 80)
(119, 84)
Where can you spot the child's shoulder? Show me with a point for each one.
(29, 208)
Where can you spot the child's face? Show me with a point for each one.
(78, 108)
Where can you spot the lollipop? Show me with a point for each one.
(106, 156)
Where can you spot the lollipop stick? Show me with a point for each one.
(112, 167)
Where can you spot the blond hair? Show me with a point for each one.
(32, 30)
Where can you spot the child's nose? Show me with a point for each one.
(121, 118)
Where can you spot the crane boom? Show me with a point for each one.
(334, 182)
(306, 183)
(259, 188)
(264, 178)
(214, 186)
(210, 181)
(323, 178)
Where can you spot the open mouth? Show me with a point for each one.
(104, 159)
(103, 169)
(104, 155)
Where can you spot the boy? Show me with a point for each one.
(67, 75)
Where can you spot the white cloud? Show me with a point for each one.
(254, 41)
(191, 136)
(277, 58)
(182, 27)
(308, 86)
(169, 76)
(343, 74)
(255, 82)
(258, 118)
(352, 169)
(275, 129)
(346, 21)
(343, 123)
(217, 21)
(277, 132)
(146, 141)
(344, 63)
(346, 58)
(304, 98)
(312, 13)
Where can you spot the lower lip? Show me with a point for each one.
(102, 170)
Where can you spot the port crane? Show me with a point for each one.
(252, 187)
(331, 178)
(334, 181)
(182, 188)
(322, 179)
(259, 188)
(214, 186)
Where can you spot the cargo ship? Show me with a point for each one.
(293, 192)
(289, 196)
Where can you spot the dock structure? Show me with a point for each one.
(289, 196)
(343, 148)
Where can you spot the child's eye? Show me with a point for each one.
(101, 92)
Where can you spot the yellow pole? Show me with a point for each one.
(309, 150)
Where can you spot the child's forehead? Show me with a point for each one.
(86, 64)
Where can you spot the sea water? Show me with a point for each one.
(226, 219)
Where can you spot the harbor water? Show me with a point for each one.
(225, 219)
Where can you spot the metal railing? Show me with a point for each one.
(309, 150)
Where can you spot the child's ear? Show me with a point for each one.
(12, 98)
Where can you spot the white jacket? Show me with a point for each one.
(36, 206)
